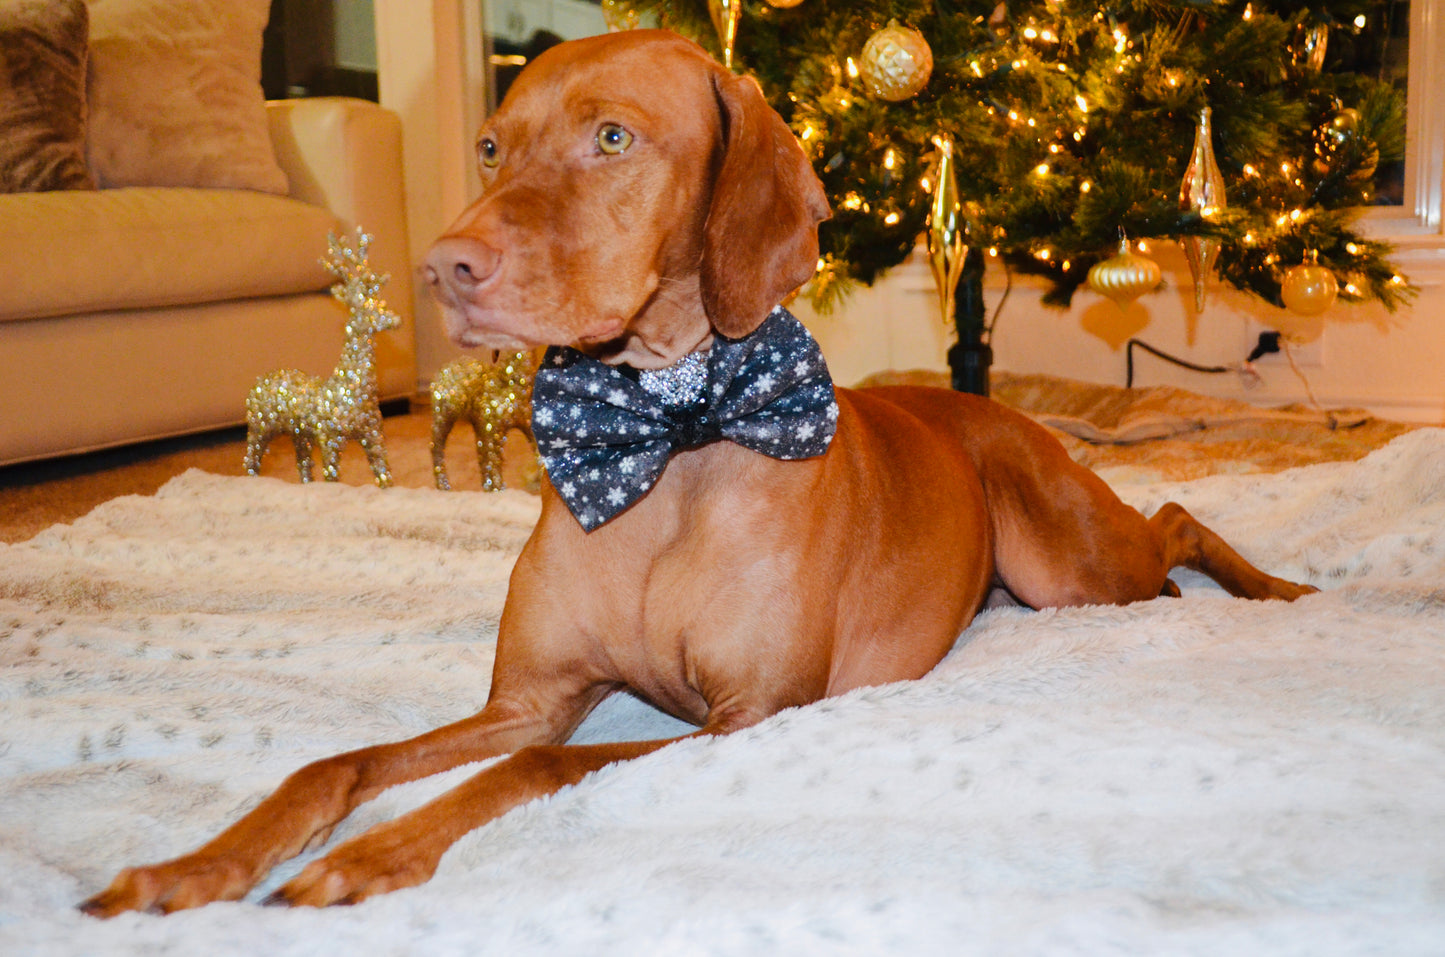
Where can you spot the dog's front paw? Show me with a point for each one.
(384, 859)
(180, 884)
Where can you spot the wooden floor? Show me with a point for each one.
(34, 496)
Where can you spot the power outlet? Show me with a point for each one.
(1306, 355)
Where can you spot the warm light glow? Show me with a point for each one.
(1143, 245)
(853, 68)
(1067, 264)
(890, 159)
(993, 251)
(1295, 214)
(1360, 21)
(1041, 170)
(1352, 289)
(1085, 186)
(1083, 103)
(977, 70)
(927, 184)
(1285, 168)
(1397, 279)
(1250, 170)
(1031, 33)
(891, 219)
(1043, 254)
(1249, 239)
(1013, 115)
(1249, 11)
(1352, 249)
(852, 201)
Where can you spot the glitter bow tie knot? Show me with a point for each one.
(605, 433)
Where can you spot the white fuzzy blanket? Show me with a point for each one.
(1201, 775)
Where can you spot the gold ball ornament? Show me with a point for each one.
(1126, 276)
(1309, 288)
(896, 63)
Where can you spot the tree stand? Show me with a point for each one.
(971, 356)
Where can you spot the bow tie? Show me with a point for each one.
(605, 433)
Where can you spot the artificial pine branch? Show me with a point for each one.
(1050, 183)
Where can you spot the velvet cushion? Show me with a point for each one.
(42, 95)
(175, 95)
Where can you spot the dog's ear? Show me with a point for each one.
(761, 238)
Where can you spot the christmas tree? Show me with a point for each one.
(1068, 122)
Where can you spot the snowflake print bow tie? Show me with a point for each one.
(605, 434)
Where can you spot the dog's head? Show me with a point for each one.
(636, 197)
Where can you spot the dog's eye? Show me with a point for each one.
(487, 152)
(613, 139)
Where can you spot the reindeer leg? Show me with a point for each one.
(257, 442)
(330, 442)
(376, 456)
(442, 421)
(302, 441)
(489, 436)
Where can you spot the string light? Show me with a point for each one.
(1085, 186)
(853, 69)
(890, 159)
(891, 219)
(1041, 170)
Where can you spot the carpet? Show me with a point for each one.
(1186, 776)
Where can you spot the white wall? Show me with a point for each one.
(1392, 365)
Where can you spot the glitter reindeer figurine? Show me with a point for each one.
(327, 412)
(493, 397)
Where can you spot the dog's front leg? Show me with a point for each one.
(405, 852)
(306, 807)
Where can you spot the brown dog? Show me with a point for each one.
(643, 204)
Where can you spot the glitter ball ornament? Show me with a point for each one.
(1126, 276)
(726, 15)
(1309, 288)
(1203, 192)
(493, 397)
(896, 63)
(327, 412)
(1338, 142)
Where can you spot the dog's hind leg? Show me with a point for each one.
(1190, 544)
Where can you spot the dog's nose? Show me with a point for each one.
(462, 262)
